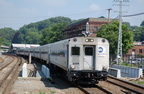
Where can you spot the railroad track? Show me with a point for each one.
(128, 88)
(82, 89)
(132, 88)
(87, 89)
(111, 86)
(5, 64)
(9, 73)
(94, 89)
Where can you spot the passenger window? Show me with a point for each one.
(75, 51)
(88, 51)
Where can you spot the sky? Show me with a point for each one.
(17, 13)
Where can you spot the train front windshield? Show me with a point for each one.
(88, 50)
(75, 50)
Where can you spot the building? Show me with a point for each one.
(23, 46)
(4, 49)
(138, 49)
(75, 30)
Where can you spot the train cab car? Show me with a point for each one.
(88, 59)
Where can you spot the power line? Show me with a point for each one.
(134, 14)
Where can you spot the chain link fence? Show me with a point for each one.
(129, 59)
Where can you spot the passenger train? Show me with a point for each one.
(80, 59)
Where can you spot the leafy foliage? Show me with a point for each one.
(138, 33)
(42, 32)
(142, 23)
(110, 32)
(6, 35)
(0, 41)
(53, 34)
(48, 23)
(27, 35)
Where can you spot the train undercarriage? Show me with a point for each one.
(87, 77)
(80, 77)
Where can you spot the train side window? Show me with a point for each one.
(88, 51)
(75, 50)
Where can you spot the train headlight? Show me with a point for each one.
(89, 40)
(92, 40)
(72, 66)
(86, 40)
(104, 68)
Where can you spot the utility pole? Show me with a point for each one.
(109, 14)
(119, 50)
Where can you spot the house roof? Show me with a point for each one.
(88, 19)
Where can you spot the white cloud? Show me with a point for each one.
(141, 1)
(94, 7)
(91, 8)
(27, 10)
(4, 3)
(51, 2)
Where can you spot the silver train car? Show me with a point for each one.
(80, 59)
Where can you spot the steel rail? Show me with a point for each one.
(12, 72)
(2, 81)
(83, 89)
(127, 85)
(7, 64)
(106, 91)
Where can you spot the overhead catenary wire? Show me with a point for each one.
(133, 14)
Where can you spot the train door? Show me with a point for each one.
(67, 56)
(89, 53)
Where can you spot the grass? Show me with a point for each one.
(139, 82)
(52, 91)
(143, 63)
(42, 93)
(129, 65)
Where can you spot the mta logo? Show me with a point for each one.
(100, 49)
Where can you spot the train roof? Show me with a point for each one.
(69, 40)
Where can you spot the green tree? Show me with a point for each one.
(142, 23)
(110, 32)
(53, 34)
(57, 32)
(25, 33)
(7, 35)
(0, 41)
(128, 24)
(138, 33)
(46, 35)
(33, 38)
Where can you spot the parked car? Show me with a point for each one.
(134, 61)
